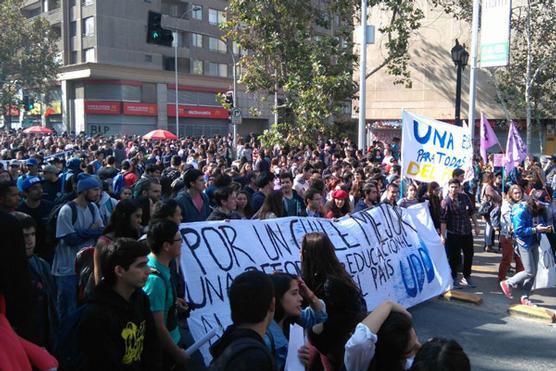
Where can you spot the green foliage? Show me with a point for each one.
(303, 51)
(27, 55)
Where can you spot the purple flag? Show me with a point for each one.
(488, 138)
(516, 150)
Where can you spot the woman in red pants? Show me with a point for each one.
(513, 197)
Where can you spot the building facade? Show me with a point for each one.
(433, 76)
(114, 82)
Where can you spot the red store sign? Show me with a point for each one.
(198, 112)
(103, 108)
(140, 109)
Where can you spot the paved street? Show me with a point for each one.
(492, 339)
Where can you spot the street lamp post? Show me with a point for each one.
(460, 56)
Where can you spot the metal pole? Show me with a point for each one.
(361, 135)
(234, 127)
(176, 83)
(473, 69)
(458, 95)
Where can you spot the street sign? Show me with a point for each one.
(495, 32)
(236, 116)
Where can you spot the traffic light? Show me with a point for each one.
(155, 33)
(28, 103)
(229, 99)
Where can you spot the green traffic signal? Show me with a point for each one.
(155, 33)
(28, 103)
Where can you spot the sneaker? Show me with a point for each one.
(456, 285)
(525, 301)
(467, 281)
(506, 289)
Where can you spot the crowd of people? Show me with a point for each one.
(89, 270)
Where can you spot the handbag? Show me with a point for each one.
(485, 208)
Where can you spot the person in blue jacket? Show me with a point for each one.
(528, 223)
(290, 291)
(193, 202)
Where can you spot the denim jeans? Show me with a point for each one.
(66, 297)
(530, 259)
(489, 233)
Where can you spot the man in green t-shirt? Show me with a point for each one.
(164, 240)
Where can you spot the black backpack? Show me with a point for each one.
(235, 349)
(52, 220)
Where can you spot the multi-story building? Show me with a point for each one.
(434, 80)
(112, 81)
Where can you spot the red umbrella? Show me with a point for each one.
(159, 135)
(38, 130)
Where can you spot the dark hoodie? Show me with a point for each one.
(118, 335)
(241, 349)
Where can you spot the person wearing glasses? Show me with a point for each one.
(164, 241)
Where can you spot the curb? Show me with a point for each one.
(462, 296)
(485, 269)
(533, 313)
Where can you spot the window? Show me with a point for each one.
(73, 58)
(197, 67)
(73, 29)
(88, 26)
(197, 40)
(197, 12)
(217, 45)
(87, 2)
(89, 54)
(216, 16)
(217, 69)
(235, 48)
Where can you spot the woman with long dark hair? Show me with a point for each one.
(244, 205)
(125, 221)
(433, 196)
(327, 278)
(289, 293)
(273, 207)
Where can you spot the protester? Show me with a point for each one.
(490, 195)
(167, 209)
(513, 197)
(293, 203)
(432, 196)
(45, 317)
(410, 198)
(384, 340)
(289, 293)
(243, 205)
(39, 209)
(226, 201)
(313, 202)
(327, 278)
(265, 186)
(52, 183)
(526, 231)
(338, 206)
(165, 241)
(456, 233)
(124, 222)
(370, 197)
(193, 202)
(9, 196)
(441, 354)
(117, 330)
(242, 347)
(78, 225)
(273, 207)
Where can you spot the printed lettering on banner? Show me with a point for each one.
(431, 149)
(391, 253)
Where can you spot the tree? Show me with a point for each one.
(526, 87)
(302, 52)
(28, 57)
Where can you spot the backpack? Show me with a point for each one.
(84, 268)
(52, 220)
(235, 349)
(118, 184)
(67, 350)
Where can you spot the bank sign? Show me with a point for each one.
(432, 150)
(495, 32)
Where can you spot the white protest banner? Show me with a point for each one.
(391, 253)
(431, 149)
(499, 159)
(546, 271)
(495, 32)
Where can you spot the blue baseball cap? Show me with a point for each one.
(29, 182)
(31, 162)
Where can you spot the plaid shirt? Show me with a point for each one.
(456, 214)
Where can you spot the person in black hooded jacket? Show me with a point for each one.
(241, 347)
(117, 330)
